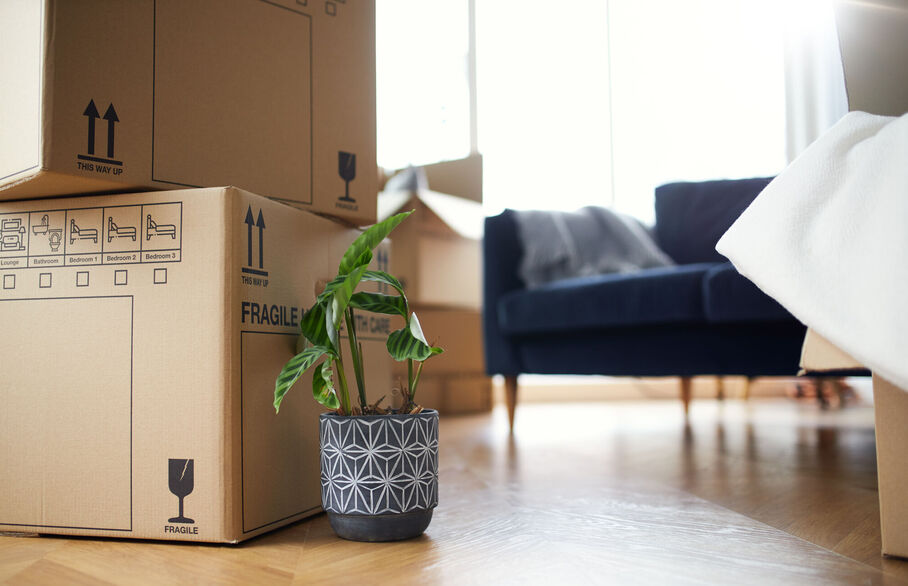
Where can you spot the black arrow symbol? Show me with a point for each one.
(250, 222)
(261, 224)
(92, 112)
(111, 116)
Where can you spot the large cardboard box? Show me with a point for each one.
(454, 382)
(438, 250)
(890, 405)
(141, 337)
(275, 96)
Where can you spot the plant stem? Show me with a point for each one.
(409, 382)
(415, 382)
(342, 380)
(356, 353)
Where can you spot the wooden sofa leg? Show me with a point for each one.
(685, 393)
(746, 392)
(720, 388)
(510, 397)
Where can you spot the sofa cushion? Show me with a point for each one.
(691, 217)
(651, 296)
(728, 296)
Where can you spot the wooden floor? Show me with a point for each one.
(765, 492)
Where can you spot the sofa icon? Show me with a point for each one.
(76, 233)
(12, 235)
(152, 228)
(114, 231)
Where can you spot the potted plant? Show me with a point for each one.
(379, 466)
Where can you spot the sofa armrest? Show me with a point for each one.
(501, 252)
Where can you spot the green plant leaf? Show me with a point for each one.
(403, 345)
(341, 298)
(301, 343)
(367, 241)
(294, 369)
(323, 386)
(330, 288)
(383, 277)
(330, 330)
(312, 326)
(379, 303)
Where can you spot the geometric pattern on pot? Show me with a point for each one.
(376, 465)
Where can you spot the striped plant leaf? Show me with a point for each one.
(379, 303)
(367, 241)
(403, 345)
(313, 326)
(295, 368)
(330, 288)
(323, 387)
(383, 277)
(341, 297)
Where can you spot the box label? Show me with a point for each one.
(181, 481)
(98, 160)
(132, 234)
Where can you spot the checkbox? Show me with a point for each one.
(82, 279)
(160, 276)
(45, 280)
(120, 277)
(9, 281)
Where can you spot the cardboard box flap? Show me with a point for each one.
(819, 354)
(460, 177)
(20, 93)
(462, 216)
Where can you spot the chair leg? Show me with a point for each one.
(685, 393)
(746, 393)
(510, 396)
(720, 388)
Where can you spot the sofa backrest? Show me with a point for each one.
(692, 216)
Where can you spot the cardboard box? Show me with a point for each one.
(455, 394)
(460, 177)
(458, 331)
(275, 96)
(453, 382)
(873, 43)
(142, 334)
(890, 405)
(438, 250)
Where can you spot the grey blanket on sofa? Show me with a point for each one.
(590, 241)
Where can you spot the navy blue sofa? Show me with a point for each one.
(697, 318)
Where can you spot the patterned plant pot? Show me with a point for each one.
(379, 474)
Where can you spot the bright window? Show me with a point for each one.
(591, 102)
(422, 86)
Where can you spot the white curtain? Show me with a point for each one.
(815, 96)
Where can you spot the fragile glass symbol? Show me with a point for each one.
(346, 168)
(181, 477)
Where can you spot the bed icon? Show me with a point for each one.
(114, 231)
(76, 233)
(152, 228)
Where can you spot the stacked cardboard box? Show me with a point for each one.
(275, 96)
(890, 409)
(142, 332)
(437, 255)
